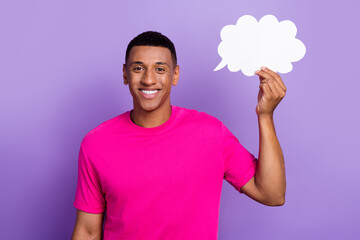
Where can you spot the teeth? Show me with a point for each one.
(149, 92)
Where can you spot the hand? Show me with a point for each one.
(272, 91)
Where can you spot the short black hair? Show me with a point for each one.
(152, 38)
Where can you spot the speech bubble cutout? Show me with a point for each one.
(249, 45)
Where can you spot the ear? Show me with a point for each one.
(125, 75)
(176, 75)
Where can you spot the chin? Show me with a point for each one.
(149, 107)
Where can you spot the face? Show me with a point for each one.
(150, 73)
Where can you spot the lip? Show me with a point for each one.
(149, 96)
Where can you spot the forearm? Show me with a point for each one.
(270, 174)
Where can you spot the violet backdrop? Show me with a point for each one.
(61, 76)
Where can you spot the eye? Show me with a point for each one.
(159, 69)
(137, 69)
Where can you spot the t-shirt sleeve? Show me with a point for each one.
(240, 165)
(89, 196)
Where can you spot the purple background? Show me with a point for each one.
(61, 76)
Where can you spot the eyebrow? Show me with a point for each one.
(162, 63)
(158, 63)
(136, 62)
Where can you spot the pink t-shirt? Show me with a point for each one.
(162, 182)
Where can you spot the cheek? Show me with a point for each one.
(132, 86)
(134, 80)
(166, 80)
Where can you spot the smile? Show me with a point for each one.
(149, 92)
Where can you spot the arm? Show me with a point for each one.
(268, 186)
(88, 226)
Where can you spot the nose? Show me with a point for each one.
(148, 78)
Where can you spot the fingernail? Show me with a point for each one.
(263, 68)
(257, 71)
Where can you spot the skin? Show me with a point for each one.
(88, 226)
(153, 68)
(150, 67)
(268, 186)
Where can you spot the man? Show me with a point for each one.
(158, 169)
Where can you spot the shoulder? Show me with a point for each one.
(103, 130)
(198, 118)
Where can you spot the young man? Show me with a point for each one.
(158, 169)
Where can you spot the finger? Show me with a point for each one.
(276, 76)
(266, 91)
(263, 75)
(266, 77)
(273, 87)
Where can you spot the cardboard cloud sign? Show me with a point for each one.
(249, 45)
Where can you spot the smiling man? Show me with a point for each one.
(157, 170)
(150, 72)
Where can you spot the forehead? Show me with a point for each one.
(148, 54)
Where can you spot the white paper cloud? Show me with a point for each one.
(249, 45)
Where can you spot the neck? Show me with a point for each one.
(149, 119)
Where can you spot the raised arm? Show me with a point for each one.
(88, 226)
(268, 186)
